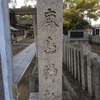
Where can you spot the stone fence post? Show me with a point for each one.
(64, 54)
(75, 62)
(85, 49)
(78, 65)
(72, 61)
(97, 77)
(67, 56)
(90, 72)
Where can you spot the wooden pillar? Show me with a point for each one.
(5, 49)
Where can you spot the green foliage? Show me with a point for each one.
(13, 3)
(26, 1)
(76, 11)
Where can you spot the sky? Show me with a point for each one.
(21, 3)
(95, 22)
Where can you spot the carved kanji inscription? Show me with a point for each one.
(50, 96)
(50, 18)
(49, 40)
(50, 45)
(50, 72)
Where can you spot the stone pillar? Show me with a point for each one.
(64, 54)
(71, 60)
(74, 62)
(85, 49)
(35, 36)
(97, 78)
(35, 33)
(67, 57)
(78, 66)
(50, 40)
(90, 73)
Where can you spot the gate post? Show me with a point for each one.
(5, 49)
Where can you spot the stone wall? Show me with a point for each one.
(84, 66)
(94, 39)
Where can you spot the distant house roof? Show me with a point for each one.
(13, 28)
(79, 26)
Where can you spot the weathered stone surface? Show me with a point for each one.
(75, 90)
(49, 30)
(64, 54)
(32, 83)
(35, 32)
(97, 77)
(69, 58)
(74, 62)
(85, 49)
(78, 66)
(35, 96)
(90, 73)
(66, 96)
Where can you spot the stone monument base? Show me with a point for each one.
(35, 96)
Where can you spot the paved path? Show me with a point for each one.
(21, 62)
